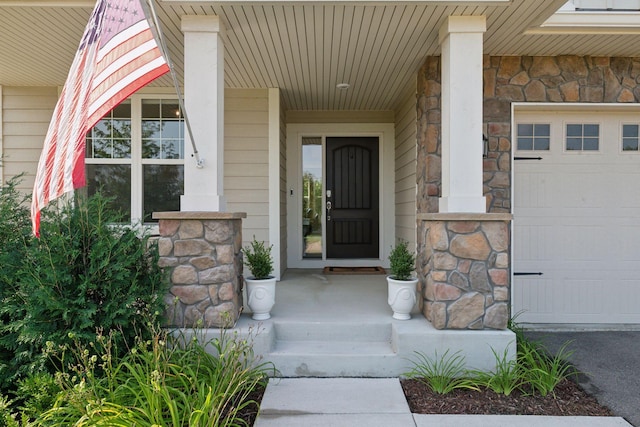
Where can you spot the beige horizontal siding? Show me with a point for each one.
(405, 170)
(246, 182)
(26, 112)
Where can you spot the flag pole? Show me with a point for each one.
(165, 51)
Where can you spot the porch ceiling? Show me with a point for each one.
(304, 48)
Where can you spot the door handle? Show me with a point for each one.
(328, 210)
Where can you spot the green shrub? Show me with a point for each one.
(258, 259)
(83, 273)
(506, 377)
(402, 262)
(442, 374)
(541, 371)
(164, 381)
(533, 371)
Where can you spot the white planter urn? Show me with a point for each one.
(401, 297)
(261, 296)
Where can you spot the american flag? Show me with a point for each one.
(118, 54)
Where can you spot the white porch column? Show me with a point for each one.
(204, 104)
(462, 146)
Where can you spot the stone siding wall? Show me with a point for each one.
(464, 270)
(510, 79)
(202, 253)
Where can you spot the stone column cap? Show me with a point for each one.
(199, 215)
(462, 216)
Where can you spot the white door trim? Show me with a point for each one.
(295, 131)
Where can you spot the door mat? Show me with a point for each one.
(354, 270)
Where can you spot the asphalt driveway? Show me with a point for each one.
(610, 362)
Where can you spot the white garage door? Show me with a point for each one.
(577, 217)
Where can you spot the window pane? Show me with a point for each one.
(110, 138)
(574, 130)
(629, 131)
(590, 144)
(574, 144)
(542, 143)
(591, 130)
(542, 129)
(312, 207)
(525, 143)
(630, 144)
(162, 133)
(150, 108)
(525, 130)
(163, 186)
(114, 182)
(630, 137)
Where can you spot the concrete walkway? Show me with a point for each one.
(379, 402)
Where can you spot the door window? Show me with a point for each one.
(312, 197)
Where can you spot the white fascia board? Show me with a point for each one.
(590, 23)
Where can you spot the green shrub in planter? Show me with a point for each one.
(258, 259)
(402, 261)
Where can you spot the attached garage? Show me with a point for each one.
(576, 235)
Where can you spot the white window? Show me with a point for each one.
(582, 137)
(533, 136)
(135, 155)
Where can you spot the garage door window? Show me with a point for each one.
(582, 137)
(533, 136)
(630, 137)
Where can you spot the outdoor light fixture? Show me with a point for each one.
(485, 146)
(343, 86)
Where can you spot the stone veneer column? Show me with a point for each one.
(202, 251)
(464, 269)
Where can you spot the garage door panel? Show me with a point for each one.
(577, 220)
(627, 297)
(534, 298)
(579, 296)
(533, 190)
(534, 243)
(581, 242)
(593, 194)
(626, 246)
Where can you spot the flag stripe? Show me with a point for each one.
(117, 56)
(123, 54)
(127, 87)
(116, 86)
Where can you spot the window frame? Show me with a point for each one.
(533, 137)
(566, 123)
(621, 138)
(136, 160)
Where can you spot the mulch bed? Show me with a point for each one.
(569, 400)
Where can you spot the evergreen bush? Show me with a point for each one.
(83, 274)
(259, 259)
(402, 262)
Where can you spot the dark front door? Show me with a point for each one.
(352, 197)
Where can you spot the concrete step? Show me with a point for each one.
(333, 331)
(368, 347)
(329, 349)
